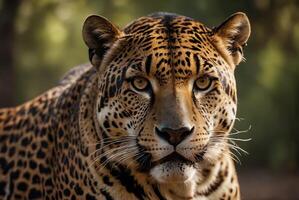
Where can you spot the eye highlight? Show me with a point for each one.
(203, 83)
(140, 83)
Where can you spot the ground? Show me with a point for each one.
(260, 184)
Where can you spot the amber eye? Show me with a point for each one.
(140, 83)
(203, 83)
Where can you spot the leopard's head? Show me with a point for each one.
(166, 91)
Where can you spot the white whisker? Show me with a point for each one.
(110, 151)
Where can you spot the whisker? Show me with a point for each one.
(231, 138)
(236, 147)
(239, 119)
(103, 147)
(138, 156)
(109, 140)
(217, 141)
(232, 133)
(242, 131)
(102, 165)
(127, 147)
(234, 157)
(119, 154)
(109, 151)
(240, 139)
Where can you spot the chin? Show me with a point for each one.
(173, 171)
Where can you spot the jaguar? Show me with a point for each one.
(148, 118)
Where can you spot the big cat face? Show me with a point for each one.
(167, 96)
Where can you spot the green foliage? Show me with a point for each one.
(49, 43)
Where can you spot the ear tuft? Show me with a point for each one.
(99, 34)
(233, 34)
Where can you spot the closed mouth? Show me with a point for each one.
(146, 163)
(173, 157)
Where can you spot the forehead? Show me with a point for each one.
(172, 45)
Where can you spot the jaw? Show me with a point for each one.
(181, 170)
(175, 179)
(173, 172)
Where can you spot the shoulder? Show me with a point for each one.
(73, 74)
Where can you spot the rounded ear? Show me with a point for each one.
(99, 34)
(232, 35)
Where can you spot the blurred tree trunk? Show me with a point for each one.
(8, 15)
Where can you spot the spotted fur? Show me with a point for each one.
(96, 136)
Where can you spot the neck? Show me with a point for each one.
(211, 182)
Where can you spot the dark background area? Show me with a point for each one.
(41, 39)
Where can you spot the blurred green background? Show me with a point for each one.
(41, 39)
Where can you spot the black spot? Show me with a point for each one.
(106, 195)
(21, 111)
(78, 190)
(107, 181)
(44, 144)
(90, 197)
(26, 175)
(112, 91)
(2, 188)
(43, 131)
(60, 133)
(22, 153)
(33, 110)
(66, 192)
(25, 142)
(3, 148)
(11, 151)
(22, 186)
(32, 164)
(59, 194)
(106, 124)
(148, 64)
(15, 175)
(20, 163)
(7, 128)
(160, 62)
(50, 138)
(214, 185)
(224, 124)
(17, 196)
(35, 179)
(40, 154)
(197, 63)
(127, 180)
(44, 170)
(35, 194)
(114, 124)
(188, 61)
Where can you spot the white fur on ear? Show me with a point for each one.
(231, 36)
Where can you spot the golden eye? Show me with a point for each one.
(139, 83)
(203, 83)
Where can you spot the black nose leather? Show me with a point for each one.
(174, 136)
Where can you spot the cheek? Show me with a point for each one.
(112, 120)
(136, 108)
(217, 111)
(123, 115)
(205, 111)
(225, 117)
